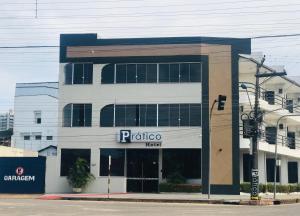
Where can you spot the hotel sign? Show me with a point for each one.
(128, 136)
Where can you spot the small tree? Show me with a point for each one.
(79, 175)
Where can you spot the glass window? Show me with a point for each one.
(174, 72)
(107, 116)
(270, 170)
(87, 115)
(26, 137)
(163, 115)
(141, 73)
(195, 114)
(184, 115)
(195, 72)
(151, 73)
(69, 157)
(78, 74)
(131, 73)
(68, 73)
(132, 115)
(38, 117)
(38, 137)
(117, 162)
(77, 115)
(184, 72)
(188, 162)
(174, 114)
(49, 137)
(67, 115)
(292, 172)
(121, 73)
(108, 74)
(151, 115)
(120, 115)
(164, 73)
(88, 73)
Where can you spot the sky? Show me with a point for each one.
(22, 25)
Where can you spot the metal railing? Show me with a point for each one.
(275, 100)
(281, 140)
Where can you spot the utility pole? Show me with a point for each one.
(257, 117)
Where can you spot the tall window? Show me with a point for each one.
(69, 157)
(150, 115)
(79, 73)
(188, 162)
(38, 117)
(117, 162)
(77, 115)
(151, 73)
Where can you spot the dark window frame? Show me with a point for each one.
(70, 78)
(142, 73)
(149, 115)
(87, 120)
(115, 169)
(68, 157)
(26, 137)
(49, 137)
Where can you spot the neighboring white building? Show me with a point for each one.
(279, 96)
(6, 121)
(36, 115)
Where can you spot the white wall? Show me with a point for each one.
(25, 121)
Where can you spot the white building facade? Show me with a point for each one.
(280, 103)
(6, 121)
(36, 115)
(145, 103)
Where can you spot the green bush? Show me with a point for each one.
(246, 187)
(176, 178)
(79, 175)
(184, 188)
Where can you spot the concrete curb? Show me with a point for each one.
(264, 202)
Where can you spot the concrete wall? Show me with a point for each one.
(25, 105)
(15, 152)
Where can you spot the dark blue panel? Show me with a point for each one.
(22, 174)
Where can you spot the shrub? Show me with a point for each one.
(246, 187)
(184, 188)
(176, 178)
(79, 175)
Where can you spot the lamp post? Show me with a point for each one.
(276, 154)
(246, 88)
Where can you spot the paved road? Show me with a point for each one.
(33, 207)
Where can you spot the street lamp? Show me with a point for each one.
(246, 88)
(276, 155)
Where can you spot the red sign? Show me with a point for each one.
(19, 171)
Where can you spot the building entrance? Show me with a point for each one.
(142, 170)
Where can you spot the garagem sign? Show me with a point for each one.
(127, 136)
(19, 176)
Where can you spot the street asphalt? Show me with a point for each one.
(36, 207)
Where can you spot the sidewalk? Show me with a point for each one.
(242, 199)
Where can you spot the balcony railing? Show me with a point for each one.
(272, 98)
(291, 142)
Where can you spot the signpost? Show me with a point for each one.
(108, 180)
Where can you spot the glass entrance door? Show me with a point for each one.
(142, 170)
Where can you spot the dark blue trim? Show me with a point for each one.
(91, 40)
